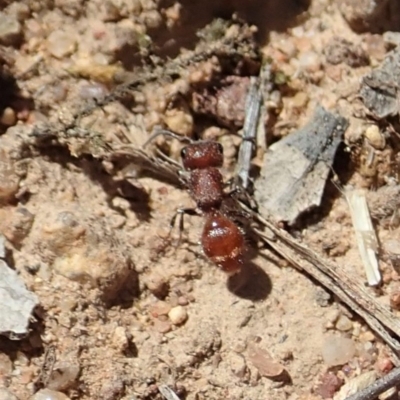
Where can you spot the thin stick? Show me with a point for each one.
(253, 107)
(381, 385)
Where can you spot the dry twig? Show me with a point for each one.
(378, 387)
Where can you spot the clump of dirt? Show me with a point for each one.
(86, 212)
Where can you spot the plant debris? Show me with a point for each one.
(295, 169)
(365, 234)
(380, 87)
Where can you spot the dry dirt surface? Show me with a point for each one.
(124, 308)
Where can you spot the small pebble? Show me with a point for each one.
(266, 365)
(91, 91)
(179, 121)
(173, 14)
(299, 100)
(151, 18)
(10, 30)
(61, 44)
(391, 247)
(330, 384)
(119, 339)
(47, 394)
(286, 46)
(8, 118)
(160, 308)
(7, 395)
(178, 315)
(18, 225)
(331, 317)
(384, 365)
(356, 329)
(162, 326)
(183, 301)
(237, 365)
(344, 324)
(395, 299)
(26, 376)
(229, 148)
(368, 347)
(375, 137)
(375, 46)
(337, 350)
(367, 337)
(310, 61)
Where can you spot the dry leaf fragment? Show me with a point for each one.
(263, 361)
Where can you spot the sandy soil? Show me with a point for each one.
(122, 309)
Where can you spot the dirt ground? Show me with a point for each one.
(123, 309)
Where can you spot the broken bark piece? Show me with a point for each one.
(16, 304)
(379, 89)
(295, 169)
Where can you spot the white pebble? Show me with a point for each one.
(178, 315)
(310, 61)
(61, 44)
(337, 350)
(344, 324)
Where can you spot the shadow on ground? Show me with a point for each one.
(250, 283)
